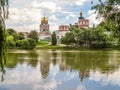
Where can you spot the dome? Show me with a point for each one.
(81, 15)
(44, 20)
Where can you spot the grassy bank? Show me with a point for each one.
(73, 48)
(47, 45)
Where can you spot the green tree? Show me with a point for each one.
(21, 36)
(13, 33)
(3, 17)
(54, 39)
(68, 39)
(10, 41)
(33, 35)
(29, 44)
(99, 38)
(110, 11)
(20, 44)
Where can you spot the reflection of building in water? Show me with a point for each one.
(44, 69)
(83, 75)
(64, 67)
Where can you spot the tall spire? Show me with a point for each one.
(81, 14)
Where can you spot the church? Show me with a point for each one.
(81, 23)
(44, 33)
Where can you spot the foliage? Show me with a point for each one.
(97, 37)
(21, 36)
(54, 39)
(32, 43)
(68, 39)
(10, 41)
(33, 35)
(3, 17)
(110, 11)
(20, 44)
(26, 44)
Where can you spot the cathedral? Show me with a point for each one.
(44, 29)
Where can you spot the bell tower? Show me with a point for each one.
(82, 22)
(44, 24)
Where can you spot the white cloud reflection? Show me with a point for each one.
(106, 79)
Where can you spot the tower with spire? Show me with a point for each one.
(82, 22)
(44, 29)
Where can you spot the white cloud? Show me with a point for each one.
(53, 18)
(112, 78)
(45, 6)
(93, 20)
(26, 14)
(80, 2)
(70, 16)
(91, 12)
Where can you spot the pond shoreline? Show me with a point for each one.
(74, 48)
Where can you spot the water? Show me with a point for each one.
(61, 70)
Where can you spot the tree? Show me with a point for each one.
(68, 39)
(21, 36)
(3, 17)
(29, 44)
(99, 38)
(33, 35)
(10, 41)
(13, 33)
(54, 39)
(110, 11)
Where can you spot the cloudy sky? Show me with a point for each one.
(25, 15)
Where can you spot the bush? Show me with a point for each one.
(32, 43)
(26, 44)
(20, 43)
(11, 44)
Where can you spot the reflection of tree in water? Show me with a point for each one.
(85, 62)
(33, 61)
(44, 68)
(54, 57)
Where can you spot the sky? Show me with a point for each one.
(25, 15)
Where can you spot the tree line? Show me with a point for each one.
(97, 37)
(18, 40)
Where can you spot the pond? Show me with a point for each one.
(61, 70)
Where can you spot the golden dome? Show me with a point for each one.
(44, 20)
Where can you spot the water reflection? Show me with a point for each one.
(2, 60)
(63, 69)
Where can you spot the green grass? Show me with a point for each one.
(61, 47)
(42, 43)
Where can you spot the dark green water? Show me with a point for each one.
(61, 70)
